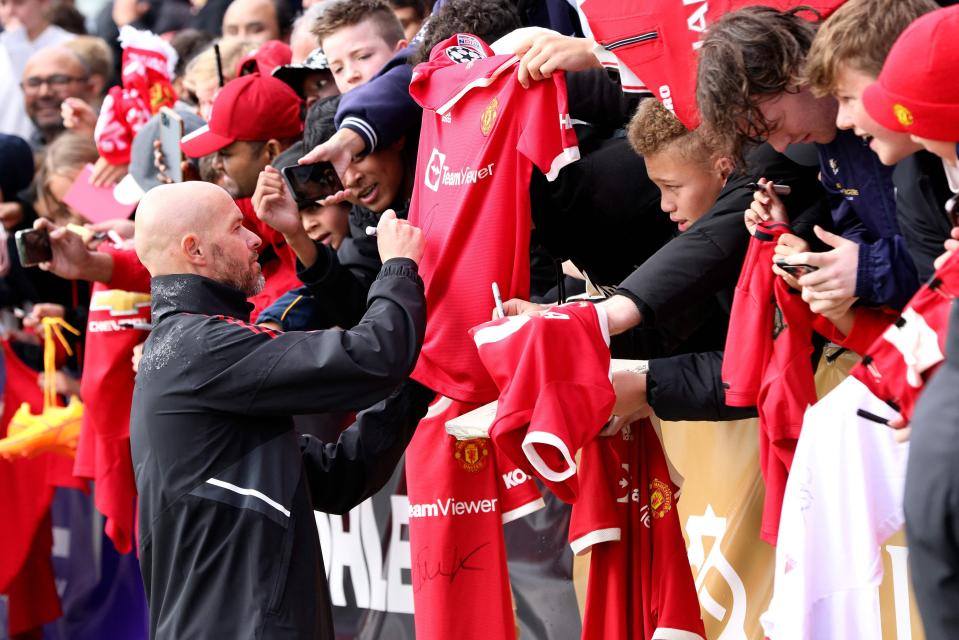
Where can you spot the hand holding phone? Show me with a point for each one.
(796, 270)
(310, 183)
(33, 246)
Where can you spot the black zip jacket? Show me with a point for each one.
(921, 194)
(227, 537)
(685, 289)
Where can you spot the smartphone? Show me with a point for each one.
(33, 246)
(311, 182)
(796, 270)
(171, 130)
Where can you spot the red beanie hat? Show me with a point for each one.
(918, 89)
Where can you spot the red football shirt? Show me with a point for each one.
(481, 134)
(26, 491)
(896, 366)
(103, 453)
(748, 341)
(657, 41)
(768, 364)
(552, 370)
(640, 584)
(461, 492)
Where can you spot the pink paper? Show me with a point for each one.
(96, 204)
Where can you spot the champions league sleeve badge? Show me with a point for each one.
(467, 49)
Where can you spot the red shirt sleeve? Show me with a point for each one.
(868, 326)
(548, 139)
(129, 274)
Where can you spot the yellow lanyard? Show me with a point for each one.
(53, 327)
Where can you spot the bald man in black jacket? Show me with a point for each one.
(227, 538)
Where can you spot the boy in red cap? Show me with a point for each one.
(917, 92)
(254, 119)
(846, 56)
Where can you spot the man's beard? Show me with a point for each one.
(236, 274)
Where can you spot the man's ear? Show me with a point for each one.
(272, 149)
(192, 250)
(400, 45)
(97, 85)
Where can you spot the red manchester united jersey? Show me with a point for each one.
(552, 370)
(896, 366)
(640, 584)
(768, 363)
(119, 312)
(461, 492)
(482, 132)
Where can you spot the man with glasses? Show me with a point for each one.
(51, 76)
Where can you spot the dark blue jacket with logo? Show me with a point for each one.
(864, 210)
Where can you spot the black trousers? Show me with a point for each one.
(931, 499)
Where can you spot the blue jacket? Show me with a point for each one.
(864, 210)
(381, 111)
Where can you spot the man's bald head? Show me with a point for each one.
(253, 20)
(169, 212)
(50, 76)
(196, 227)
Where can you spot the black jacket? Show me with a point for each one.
(921, 193)
(685, 289)
(227, 537)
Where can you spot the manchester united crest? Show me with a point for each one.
(489, 117)
(903, 114)
(660, 498)
(472, 455)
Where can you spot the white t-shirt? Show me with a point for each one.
(20, 47)
(13, 113)
(843, 500)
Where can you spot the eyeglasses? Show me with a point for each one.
(56, 82)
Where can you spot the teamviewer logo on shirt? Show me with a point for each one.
(434, 170)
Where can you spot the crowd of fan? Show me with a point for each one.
(652, 215)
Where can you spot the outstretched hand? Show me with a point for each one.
(274, 205)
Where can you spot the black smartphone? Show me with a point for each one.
(311, 182)
(796, 270)
(33, 246)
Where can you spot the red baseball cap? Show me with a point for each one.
(267, 57)
(917, 91)
(252, 107)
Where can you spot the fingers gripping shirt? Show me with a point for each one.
(481, 134)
